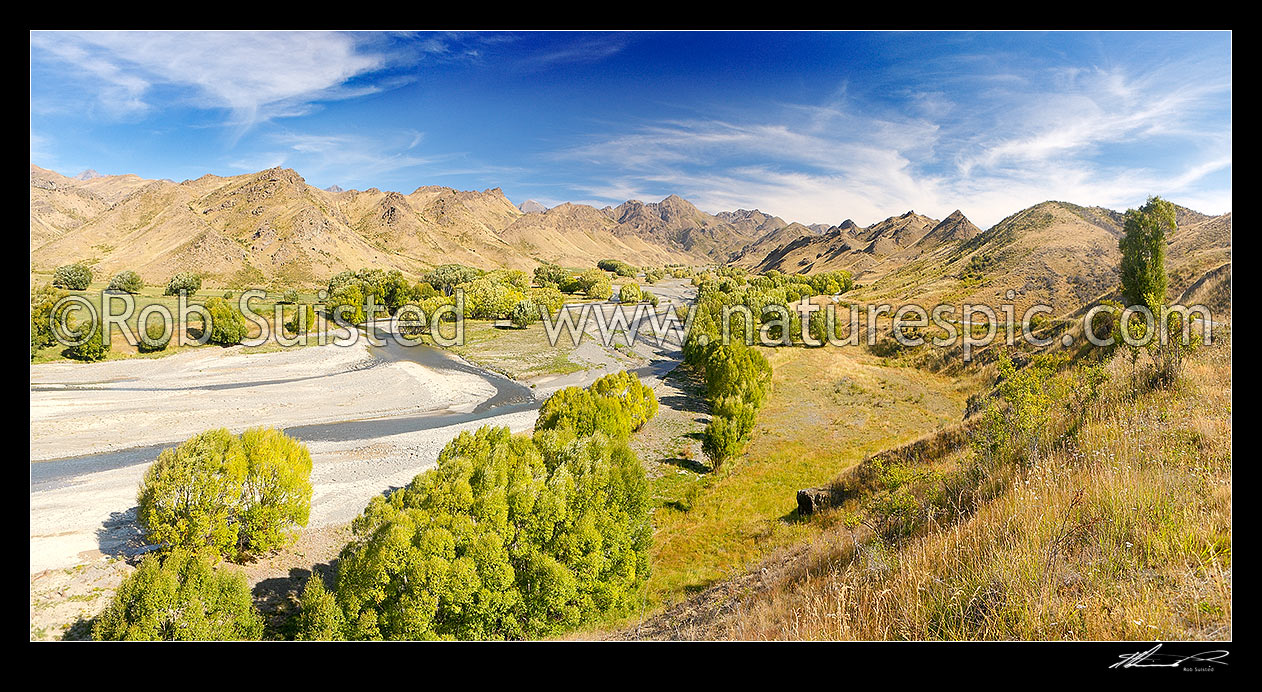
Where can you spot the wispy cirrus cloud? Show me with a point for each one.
(343, 158)
(253, 76)
(991, 150)
(585, 49)
(366, 160)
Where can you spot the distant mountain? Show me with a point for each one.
(679, 226)
(87, 175)
(751, 221)
(272, 228)
(766, 247)
(954, 227)
(577, 235)
(862, 251)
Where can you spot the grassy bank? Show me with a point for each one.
(1116, 526)
(829, 408)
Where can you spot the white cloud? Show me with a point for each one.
(255, 76)
(344, 159)
(1016, 143)
(591, 49)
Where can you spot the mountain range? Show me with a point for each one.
(273, 228)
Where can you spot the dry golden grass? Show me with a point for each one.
(828, 409)
(521, 354)
(1120, 530)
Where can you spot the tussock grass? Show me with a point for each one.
(828, 409)
(1118, 527)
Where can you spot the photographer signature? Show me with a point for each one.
(1152, 659)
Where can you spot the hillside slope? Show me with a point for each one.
(272, 227)
(1122, 530)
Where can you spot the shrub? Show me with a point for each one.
(126, 281)
(386, 290)
(488, 297)
(289, 297)
(422, 290)
(584, 282)
(190, 497)
(303, 320)
(617, 267)
(601, 290)
(180, 597)
(720, 440)
(637, 399)
(42, 301)
(547, 298)
(514, 278)
(446, 277)
(524, 313)
(506, 538)
(319, 617)
(276, 493)
(551, 276)
(235, 496)
(183, 282)
(150, 342)
(648, 297)
(740, 371)
(227, 327)
(73, 277)
(584, 412)
(346, 303)
(1105, 323)
(1020, 431)
(615, 404)
(630, 293)
(95, 347)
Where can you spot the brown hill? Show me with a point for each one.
(955, 227)
(272, 227)
(574, 234)
(770, 244)
(676, 224)
(59, 204)
(865, 252)
(1053, 253)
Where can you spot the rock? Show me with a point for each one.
(811, 500)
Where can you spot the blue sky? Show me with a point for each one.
(814, 127)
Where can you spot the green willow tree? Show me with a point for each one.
(508, 536)
(180, 596)
(1143, 249)
(234, 496)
